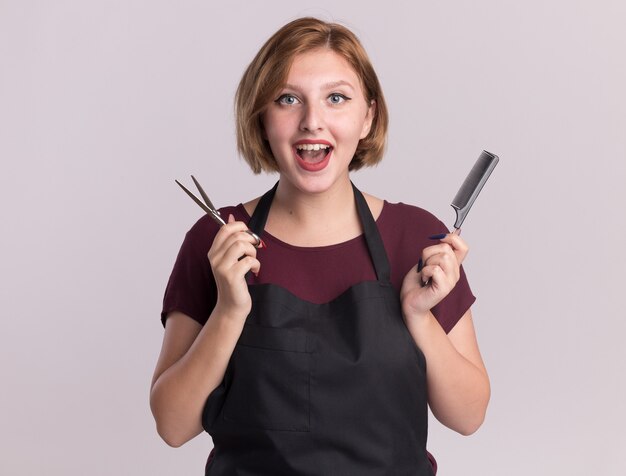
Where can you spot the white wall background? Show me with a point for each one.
(104, 103)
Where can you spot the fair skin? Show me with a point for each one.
(321, 106)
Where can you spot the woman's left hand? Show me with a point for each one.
(440, 271)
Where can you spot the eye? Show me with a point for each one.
(287, 99)
(337, 98)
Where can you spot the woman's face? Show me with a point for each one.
(316, 120)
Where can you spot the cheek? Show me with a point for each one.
(270, 131)
(353, 126)
(352, 130)
(275, 127)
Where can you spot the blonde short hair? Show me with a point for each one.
(267, 74)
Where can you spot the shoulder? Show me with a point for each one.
(250, 206)
(375, 204)
(398, 216)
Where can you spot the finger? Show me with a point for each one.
(419, 268)
(237, 250)
(239, 235)
(235, 265)
(434, 276)
(226, 236)
(448, 263)
(433, 250)
(255, 265)
(234, 247)
(426, 275)
(245, 264)
(227, 230)
(457, 243)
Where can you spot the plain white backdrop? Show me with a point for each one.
(104, 103)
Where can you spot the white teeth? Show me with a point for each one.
(312, 146)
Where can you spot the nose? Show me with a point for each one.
(312, 118)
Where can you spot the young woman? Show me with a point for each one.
(309, 354)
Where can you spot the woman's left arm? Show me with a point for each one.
(458, 384)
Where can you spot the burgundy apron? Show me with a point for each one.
(322, 389)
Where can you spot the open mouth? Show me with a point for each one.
(313, 157)
(313, 153)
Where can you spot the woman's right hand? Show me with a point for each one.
(232, 255)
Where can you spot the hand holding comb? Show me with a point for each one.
(465, 197)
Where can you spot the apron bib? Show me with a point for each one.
(332, 389)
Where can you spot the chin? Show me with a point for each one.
(317, 183)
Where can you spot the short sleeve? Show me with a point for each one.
(405, 230)
(452, 308)
(191, 287)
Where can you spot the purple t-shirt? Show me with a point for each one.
(315, 274)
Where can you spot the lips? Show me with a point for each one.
(313, 155)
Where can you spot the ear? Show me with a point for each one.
(369, 118)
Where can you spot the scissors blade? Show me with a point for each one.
(206, 199)
(208, 210)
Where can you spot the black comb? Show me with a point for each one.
(472, 186)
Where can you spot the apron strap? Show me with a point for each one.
(372, 236)
(262, 210)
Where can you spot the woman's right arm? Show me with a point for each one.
(194, 358)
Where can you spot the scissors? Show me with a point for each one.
(210, 209)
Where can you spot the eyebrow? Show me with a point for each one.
(331, 85)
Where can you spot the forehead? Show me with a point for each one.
(324, 66)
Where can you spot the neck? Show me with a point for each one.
(306, 206)
(314, 219)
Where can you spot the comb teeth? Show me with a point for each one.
(472, 185)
